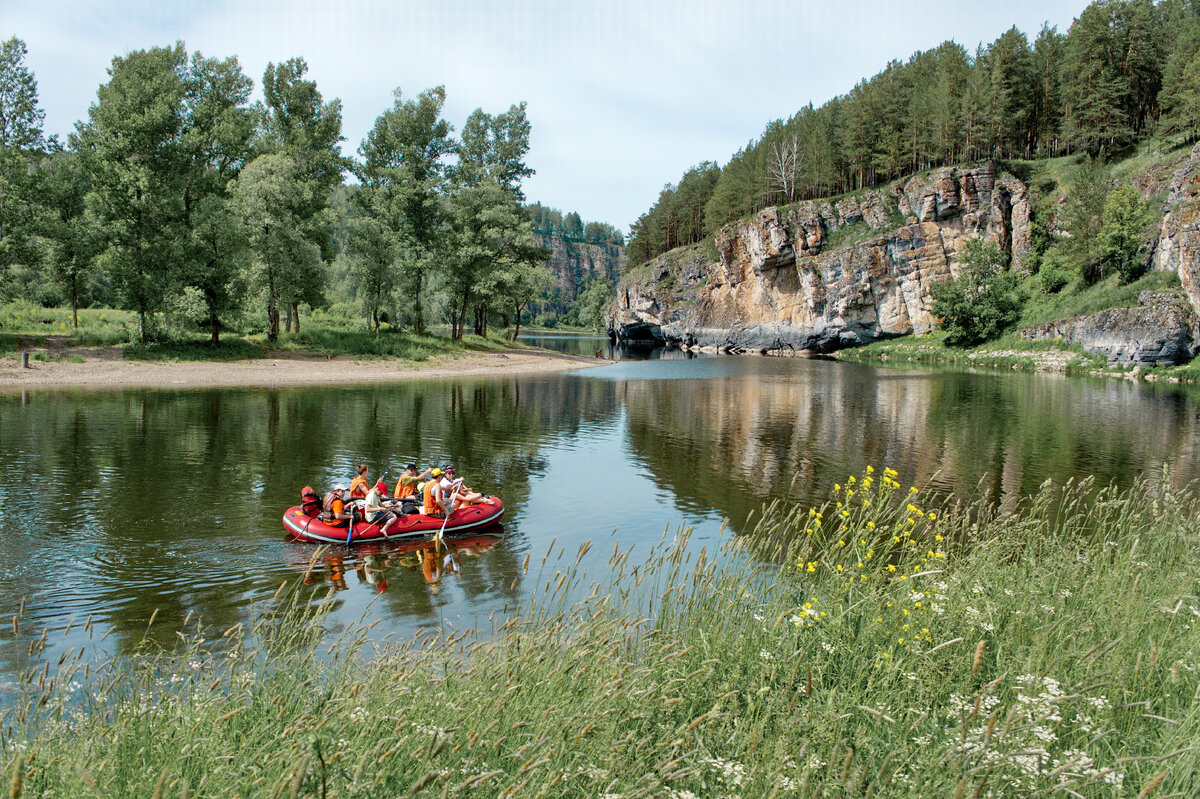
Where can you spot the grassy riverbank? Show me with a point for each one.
(900, 649)
(49, 334)
(1006, 352)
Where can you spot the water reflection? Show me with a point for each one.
(375, 564)
(604, 347)
(123, 504)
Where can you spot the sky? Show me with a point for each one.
(624, 96)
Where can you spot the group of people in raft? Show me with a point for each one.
(434, 490)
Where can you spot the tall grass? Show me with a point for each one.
(877, 646)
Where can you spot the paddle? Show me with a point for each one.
(450, 508)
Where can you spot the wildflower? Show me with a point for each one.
(812, 567)
(870, 525)
(936, 537)
(870, 470)
(839, 567)
(933, 517)
(851, 480)
(912, 490)
(891, 567)
(837, 487)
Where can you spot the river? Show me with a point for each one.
(123, 503)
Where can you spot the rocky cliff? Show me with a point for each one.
(574, 263)
(822, 275)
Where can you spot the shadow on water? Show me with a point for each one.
(123, 504)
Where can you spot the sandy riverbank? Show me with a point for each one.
(102, 370)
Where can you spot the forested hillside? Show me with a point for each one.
(1124, 70)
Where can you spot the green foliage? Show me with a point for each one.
(1123, 232)
(982, 301)
(550, 222)
(1053, 276)
(678, 218)
(1081, 298)
(1081, 217)
(404, 179)
(593, 301)
(271, 198)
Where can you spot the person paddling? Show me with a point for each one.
(406, 486)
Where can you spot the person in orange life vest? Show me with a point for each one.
(333, 507)
(406, 487)
(358, 486)
(433, 494)
(376, 512)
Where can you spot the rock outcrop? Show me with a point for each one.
(1160, 331)
(574, 263)
(1178, 247)
(821, 275)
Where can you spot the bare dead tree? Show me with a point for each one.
(784, 166)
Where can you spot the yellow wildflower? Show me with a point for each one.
(891, 567)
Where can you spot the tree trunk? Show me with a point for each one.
(418, 316)
(142, 326)
(75, 301)
(296, 316)
(517, 318)
(375, 320)
(287, 324)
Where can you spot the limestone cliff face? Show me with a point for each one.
(1178, 247)
(574, 263)
(820, 275)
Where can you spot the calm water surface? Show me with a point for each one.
(120, 503)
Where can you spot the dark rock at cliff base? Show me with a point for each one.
(1161, 330)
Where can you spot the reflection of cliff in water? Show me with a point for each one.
(734, 442)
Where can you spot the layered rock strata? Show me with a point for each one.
(823, 275)
(1161, 330)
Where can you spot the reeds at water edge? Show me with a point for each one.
(883, 646)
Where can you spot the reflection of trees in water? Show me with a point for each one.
(733, 443)
(147, 500)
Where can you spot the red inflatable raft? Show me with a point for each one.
(414, 525)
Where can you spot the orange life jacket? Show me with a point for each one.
(331, 506)
(432, 508)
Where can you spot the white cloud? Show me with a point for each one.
(623, 96)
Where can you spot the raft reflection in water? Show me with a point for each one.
(374, 565)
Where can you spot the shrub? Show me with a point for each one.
(1054, 275)
(982, 301)
(1123, 232)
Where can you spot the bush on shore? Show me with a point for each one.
(881, 645)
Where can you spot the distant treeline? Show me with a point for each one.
(552, 222)
(1124, 70)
